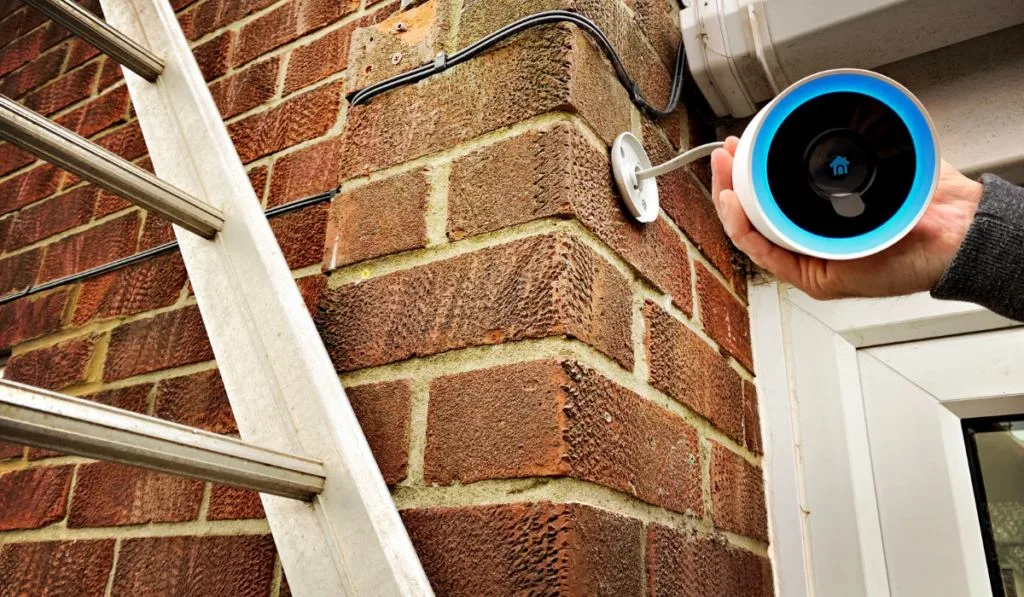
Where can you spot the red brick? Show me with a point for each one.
(197, 400)
(555, 68)
(384, 411)
(29, 186)
(12, 158)
(157, 231)
(685, 564)
(198, 566)
(18, 271)
(95, 246)
(318, 60)
(246, 89)
(33, 74)
(528, 549)
(286, 23)
(126, 142)
(426, 26)
(660, 26)
(167, 340)
(557, 172)
(34, 498)
(310, 288)
(133, 398)
(53, 367)
(68, 89)
(211, 15)
(111, 73)
(737, 495)
(10, 451)
(108, 203)
(691, 209)
(305, 173)
(299, 232)
(81, 52)
(98, 114)
(40, 453)
(688, 369)
(46, 218)
(28, 47)
(31, 317)
(56, 568)
(20, 23)
(258, 180)
(616, 20)
(381, 218)
(214, 56)
(232, 503)
(548, 285)
(152, 284)
(5, 230)
(300, 118)
(551, 418)
(724, 317)
(108, 494)
(9, 6)
(751, 419)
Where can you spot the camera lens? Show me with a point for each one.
(836, 145)
(838, 164)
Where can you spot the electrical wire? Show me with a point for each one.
(680, 160)
(444, 62)
(151, 252)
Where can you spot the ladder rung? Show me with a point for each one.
(59, 146)
(108, 40)
(45, 419)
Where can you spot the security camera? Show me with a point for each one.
(840, 165)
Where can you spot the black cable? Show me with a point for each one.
(151, 252)
(444, 62)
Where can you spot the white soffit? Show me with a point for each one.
(974, 91)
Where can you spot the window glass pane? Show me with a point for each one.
(996, 450)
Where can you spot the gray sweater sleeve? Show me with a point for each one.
(988, 268)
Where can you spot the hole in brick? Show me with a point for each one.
(368, 68)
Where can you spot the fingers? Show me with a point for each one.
(784, 264)
(731, 143)
(721, 173)
(721, 168)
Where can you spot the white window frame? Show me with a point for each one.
(817, 463)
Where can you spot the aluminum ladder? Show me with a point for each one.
(335, 526)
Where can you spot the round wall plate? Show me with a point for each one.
(640, 196)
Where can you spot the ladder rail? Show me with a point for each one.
(283, 388)
(126, 51)
(44, 419)
(348, 539)
(53, 143)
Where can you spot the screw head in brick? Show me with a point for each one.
(396, 58)
(400, 27)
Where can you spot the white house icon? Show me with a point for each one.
(840, 166)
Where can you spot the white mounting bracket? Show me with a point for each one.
(640, 195)
(636, 178)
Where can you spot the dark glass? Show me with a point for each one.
(995, 452)
(835, 145)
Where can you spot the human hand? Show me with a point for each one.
(913, 264)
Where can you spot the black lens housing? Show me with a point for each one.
(836, 145)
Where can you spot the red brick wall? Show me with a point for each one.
(561, 400)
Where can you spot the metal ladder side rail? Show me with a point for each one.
(283, 389)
